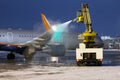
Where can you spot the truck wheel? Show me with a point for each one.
(80, 64)
(99, 63)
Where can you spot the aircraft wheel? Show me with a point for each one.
(11, 56)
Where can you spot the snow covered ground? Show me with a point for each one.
(39, 72)
(40, 69)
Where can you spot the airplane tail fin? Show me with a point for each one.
(45, 22)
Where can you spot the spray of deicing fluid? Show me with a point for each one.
(59, 29)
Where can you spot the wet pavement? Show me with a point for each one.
(111, 58)
(42, 69)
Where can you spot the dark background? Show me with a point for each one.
(25, 14)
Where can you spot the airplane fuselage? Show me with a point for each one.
(17, 36)
(70, 40)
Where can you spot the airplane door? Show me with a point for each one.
(9, 36)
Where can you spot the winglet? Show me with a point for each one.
(45, 22)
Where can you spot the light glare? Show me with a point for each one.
(54, 27)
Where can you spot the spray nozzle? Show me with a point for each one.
(74, 20)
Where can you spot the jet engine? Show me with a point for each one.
(55, 49)
(29, 53)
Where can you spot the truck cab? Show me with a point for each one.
(88, 56)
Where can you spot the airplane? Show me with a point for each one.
(24, 42)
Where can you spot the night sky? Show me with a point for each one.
(25, 14)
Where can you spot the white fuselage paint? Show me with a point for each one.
(17, 36)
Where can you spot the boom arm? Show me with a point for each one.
(83, 16)
(87, 19)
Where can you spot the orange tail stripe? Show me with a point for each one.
(45, 22)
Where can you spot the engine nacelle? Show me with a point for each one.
(55, 49)
(29, 53)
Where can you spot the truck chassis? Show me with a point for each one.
(88, 56)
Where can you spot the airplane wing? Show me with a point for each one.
(41, 40)
(38, 42)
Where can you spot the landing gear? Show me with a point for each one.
(11, 56)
